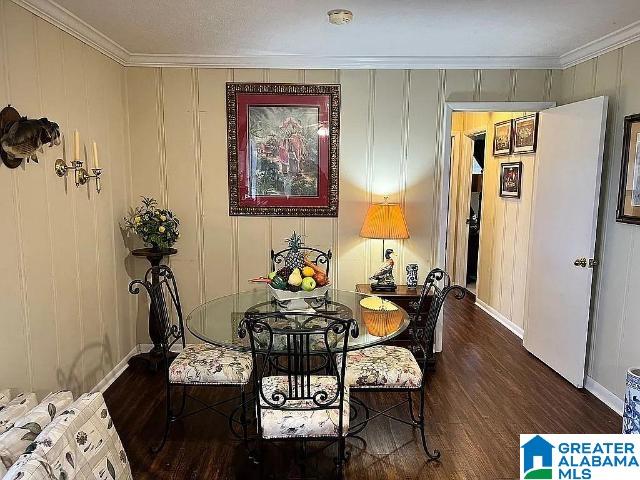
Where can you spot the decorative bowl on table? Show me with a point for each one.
(297, 300)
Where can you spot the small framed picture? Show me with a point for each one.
(502, 138)
(629, 189)
(525, 134)
(510, 179)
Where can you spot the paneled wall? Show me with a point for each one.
(66, 313)
(504, 233)
(391, 135)
(616, 324)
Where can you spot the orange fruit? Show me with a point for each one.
(308, 272)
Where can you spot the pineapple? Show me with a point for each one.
(295, 257)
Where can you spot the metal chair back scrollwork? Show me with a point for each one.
(437, 286)
(295, 387)
(160, 284)
(318, 257)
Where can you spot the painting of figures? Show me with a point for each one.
(284, 150)
(282, 146)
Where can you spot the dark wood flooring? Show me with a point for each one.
(486, 390)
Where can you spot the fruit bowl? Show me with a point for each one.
(296, 300)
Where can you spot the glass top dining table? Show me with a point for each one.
(216, 321)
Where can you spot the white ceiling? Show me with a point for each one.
(290, 31)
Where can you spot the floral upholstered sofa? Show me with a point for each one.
(64, 440)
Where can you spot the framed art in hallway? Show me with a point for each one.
(282, 142)
(629, 189)
(502, 138)
(525, 134)
(510, 179)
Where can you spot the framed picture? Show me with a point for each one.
(510, 179)
(502, 138)
(282, 142)
(629, 189)
(525, 134)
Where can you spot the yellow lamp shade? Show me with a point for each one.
(386, 221)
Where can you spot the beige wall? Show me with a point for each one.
(616, 325)
(391, 128)
(504, 233)
(65, 318)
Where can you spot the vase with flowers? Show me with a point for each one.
(156, 227)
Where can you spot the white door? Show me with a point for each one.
(563, 233)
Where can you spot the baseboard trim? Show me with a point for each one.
(605, 396)
(116, 371)
(500, 318)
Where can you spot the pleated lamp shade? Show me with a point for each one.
(386, 221)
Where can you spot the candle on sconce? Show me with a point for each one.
(96, 165)
(76, 145)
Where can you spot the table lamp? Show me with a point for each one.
(384, 221)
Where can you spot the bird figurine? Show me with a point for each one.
(384, 274)
(23, 138)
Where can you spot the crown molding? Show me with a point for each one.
(62, 18)
(336, 62)
(608, 43)
(76, 27)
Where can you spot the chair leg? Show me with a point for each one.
(256, 455)
(183, 401)
(340, 461)
(413, 416)
(436, 453)
(167, 425)
(243, 416)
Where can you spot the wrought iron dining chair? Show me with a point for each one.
(307, 398)
(318, 257)
(387, 368)
(199, 365)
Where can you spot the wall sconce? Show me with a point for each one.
(82, 176)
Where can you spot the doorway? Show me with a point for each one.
(454, 198)
(489, 232)
(539, 221)
(475, 210)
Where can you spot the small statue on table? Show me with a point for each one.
(384, 276)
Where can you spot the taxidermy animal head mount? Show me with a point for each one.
(22, 138)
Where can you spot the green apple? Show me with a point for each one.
(272, 274)
(308, 284)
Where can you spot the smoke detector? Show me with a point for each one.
(340, 16)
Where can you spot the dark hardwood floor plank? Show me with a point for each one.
(486, 391)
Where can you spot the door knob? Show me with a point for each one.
(580, 262)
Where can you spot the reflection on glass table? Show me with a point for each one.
(216, 321)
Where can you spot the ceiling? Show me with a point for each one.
(458, 33)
